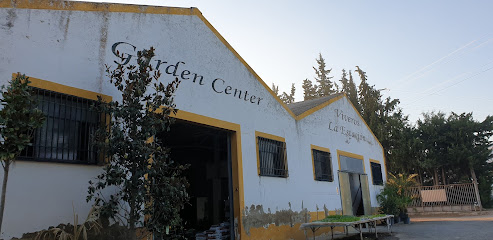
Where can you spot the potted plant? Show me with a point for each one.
(395, 197)
(388, 200)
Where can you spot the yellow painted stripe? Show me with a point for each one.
(313, 160)
(115, 7)
(351, 155)
(312, 110)
(60, 88)
(236, 155)
(269, 136)
(369, 129)
(96, 7)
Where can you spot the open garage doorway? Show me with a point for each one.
(207, 151)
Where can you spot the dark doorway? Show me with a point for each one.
(356, 194)
(207, 151)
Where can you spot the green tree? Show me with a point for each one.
(140, 169)
(309, 90)
(434, 145)
(18, 120)
(349, 87)
(286, 98)
(383, 116)
(325, 86)
(289, 98)
(455, 149)
(275, 89)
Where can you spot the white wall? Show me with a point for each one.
(71, 48)
(316, 129)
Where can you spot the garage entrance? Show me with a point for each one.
(207, 151)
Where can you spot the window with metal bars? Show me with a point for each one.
(322, 165)
(376, 173)
(67, 133)
(272, 157)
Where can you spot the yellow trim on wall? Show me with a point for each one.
(60, 88)
(375, 161)
(319, 148)
(236, 155)
(312, 110)
(376, 139)
(127, 8)
(351, 155)
(64, 89)
(314, 147)
(272, 137)
(269, 136)
(95, 7)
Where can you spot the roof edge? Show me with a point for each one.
(96, 7)
(318, 107)
(330, 101)
(132, 8)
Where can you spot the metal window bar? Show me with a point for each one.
(67, 134)
(376, 173)
(323, 167)
(272, 157)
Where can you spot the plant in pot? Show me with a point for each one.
(395, 196)
(388, 200)
(402, 183)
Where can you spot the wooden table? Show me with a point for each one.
(369, 223)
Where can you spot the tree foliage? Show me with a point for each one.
(440, 149)
(286, 98)
(324, 85)
(349, 88)
(150, 190)
(455, 149)
(19, 117)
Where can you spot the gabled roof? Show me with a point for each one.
(299, 108)
(132, 8)
(305, 108)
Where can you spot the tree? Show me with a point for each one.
(286, 98)
(349, 87)
(289, 98)
(384, 117)
(275, 89)
(455, 149)
(146, 180)
(309, 90)
(18, 120)
(325, 86)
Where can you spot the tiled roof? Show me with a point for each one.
(299, 108)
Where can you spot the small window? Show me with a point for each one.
(67, 133)
(322, 165)
(376, 173)
(272, 158)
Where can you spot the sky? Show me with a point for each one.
(431, 55)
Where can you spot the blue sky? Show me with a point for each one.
(432, 55)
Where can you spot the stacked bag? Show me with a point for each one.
(215, 232)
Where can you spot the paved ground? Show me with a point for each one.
(443, 230)
(451, 226)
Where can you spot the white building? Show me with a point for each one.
(256, 162)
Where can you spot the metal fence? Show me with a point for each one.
(453, 197)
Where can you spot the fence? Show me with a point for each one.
(453, 197)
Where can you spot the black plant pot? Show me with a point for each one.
(396, 219)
